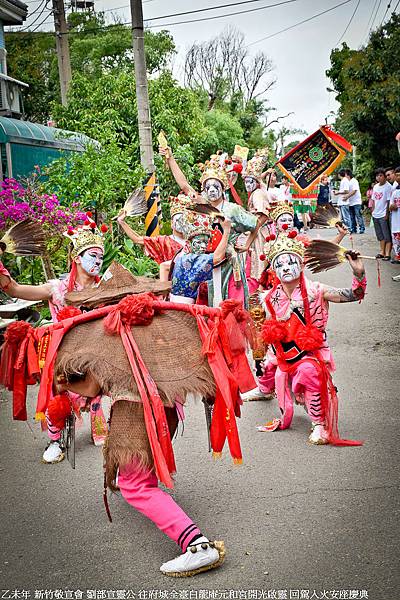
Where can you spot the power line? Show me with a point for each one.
(250, 10)
(395, 8)
(376, 12)
(387, 8)
(349, 23)
(299, 23)
(38, 17)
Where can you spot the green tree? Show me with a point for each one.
(368, 89)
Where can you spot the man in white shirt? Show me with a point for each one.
(343, 202)
(381, 194)
(355, 203)
(391, 177)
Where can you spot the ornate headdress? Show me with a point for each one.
(179, 204)
(86, 236)
(280, 208)
(240, 153)
(214, 168)
(284, 244)
(196, 224)
(256, 165)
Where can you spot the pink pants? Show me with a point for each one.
(96, 416)
(304, 380)
(140, 488)
(396, 245)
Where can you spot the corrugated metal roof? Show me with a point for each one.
(17, 130)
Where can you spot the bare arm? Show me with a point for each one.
(220, 251)
(342, 231)
(29, 292)
(164, 270)
(132, 235)
(357, 290)
(349, 195)
(260, 222)
(177, 173)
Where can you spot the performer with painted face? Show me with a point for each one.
(193, 265)
(299, 362)
(230, 280)
(161, 248)
(86, 254)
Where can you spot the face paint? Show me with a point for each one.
(198, 244)
(92, 260)
(177, 223)
(287, 267)
(285, 219)
(250, 184)
(213, 189)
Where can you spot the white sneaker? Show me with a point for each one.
(396, 277)
(200, 556)
(53, 453)
(318, 435)
(255, 394)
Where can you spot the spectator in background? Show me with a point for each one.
(381, 196)
(324, 191)
(391, 176)
(343, 202)
(394, 208)
(368, 201)
(284, 190)
(355, 204)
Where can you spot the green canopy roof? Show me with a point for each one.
(25, 132)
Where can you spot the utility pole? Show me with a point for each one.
(144, 121)
(142, 95)
(64, 64)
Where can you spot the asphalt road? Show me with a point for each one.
(293, 516)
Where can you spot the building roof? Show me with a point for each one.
(14, 130)
(7, 78)
(13, 12)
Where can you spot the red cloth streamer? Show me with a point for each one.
(67, 312)
(234, 193)
(58, 410)
(335, 137)
(72, 277)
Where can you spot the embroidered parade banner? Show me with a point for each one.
(318, 154)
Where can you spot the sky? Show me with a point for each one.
(300, 55)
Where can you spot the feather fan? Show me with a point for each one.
(326, 216)
(322, 255)
(135, 205)
(24, 239)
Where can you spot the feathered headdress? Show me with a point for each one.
(256, 165)
(86, 236)
(24, 239)
(215, 168)
(179, 204)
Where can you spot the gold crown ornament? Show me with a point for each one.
(256, 165)
(179, 204)
(280, 208)
(196, 224)
(86, 236)
(285, 244)
(214, 168)
(240, 153)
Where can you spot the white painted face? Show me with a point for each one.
(213, 189)
(177, 223)
(91, 261)
(250, 184)
(285, 219)
(198, 244)
(287, 267)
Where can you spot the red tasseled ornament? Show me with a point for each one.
(87, 222)
(272, 237)
(17, 331)
(238, 167)
(228, 161)
(89, 214)
(292, 234)
(262, 257)
(273, 331)
(285, 227)
(93, 225)
(137, 309)
(103, 228)
(70, 232)
(58, 410)
(236, 307)
(309, 338)
(68, 311)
